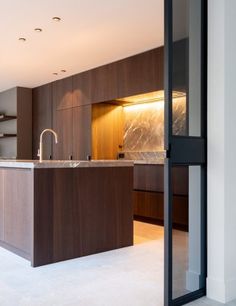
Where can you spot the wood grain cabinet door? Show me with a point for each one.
(82, 89)
(18, 208)
(62, 94)
(42, 119)
(82, 132)
(141, 73)
(62, 125)
(104, 83)
(149, 178)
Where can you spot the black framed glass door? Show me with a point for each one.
(185, 164)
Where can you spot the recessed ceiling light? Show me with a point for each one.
(63, 70)
(56, 18)
(38, 30)
(23, 39)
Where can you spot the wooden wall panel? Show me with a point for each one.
(62, 94)
(149, 206)
(141, 73)
(137, 74)
(104, 83)
(106, 207)
(82, 88)
(18, 208)
(107, 131)
(134, 75)
(66, 216)
(82, 122)
(151, 178)
(62, 125)
(82, 214)
(42, 119)
(43, 217)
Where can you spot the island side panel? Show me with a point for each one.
(67, 216)
(105, 197)
(17, 210)
(43, 217)
(81, 211)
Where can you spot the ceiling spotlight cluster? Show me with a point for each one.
(57, 19)
(23, 39)
(39, 30)
(57, 73)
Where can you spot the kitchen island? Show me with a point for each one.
(57, 210)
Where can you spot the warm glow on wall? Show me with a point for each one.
(155, 96)
(153, 100)
(143, 106)
(144, 124)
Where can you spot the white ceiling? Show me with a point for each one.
(92, 33)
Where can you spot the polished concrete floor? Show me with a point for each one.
(130, 276)
(206, 302)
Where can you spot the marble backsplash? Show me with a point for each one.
(144, 125)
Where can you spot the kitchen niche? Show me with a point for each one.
(133, 127)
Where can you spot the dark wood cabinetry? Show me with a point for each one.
(73, 126)
(104, 83)
(62, 125)
(62, 94)
(82, 88)
(18, 210)
(42, 119)
(149, 205)
(149, 178)
(141, 73)
(82, 117)
(68, 101)
(49, 215)
(149, 194)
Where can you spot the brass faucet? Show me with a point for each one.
(40, 150)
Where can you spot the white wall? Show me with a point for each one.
(221, 283)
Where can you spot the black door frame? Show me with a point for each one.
(178, 152)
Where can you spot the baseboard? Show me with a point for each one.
(194, 281)
(221, 291)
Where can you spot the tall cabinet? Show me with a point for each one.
(73, 103)
(71, 121)
(42, 119)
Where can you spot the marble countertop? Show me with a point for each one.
(35, 164)
(145, 158)
(159, 161)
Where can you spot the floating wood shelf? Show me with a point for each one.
(6, 118)
(7, 135)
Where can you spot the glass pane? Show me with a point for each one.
(187, 225)
(186, 68)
